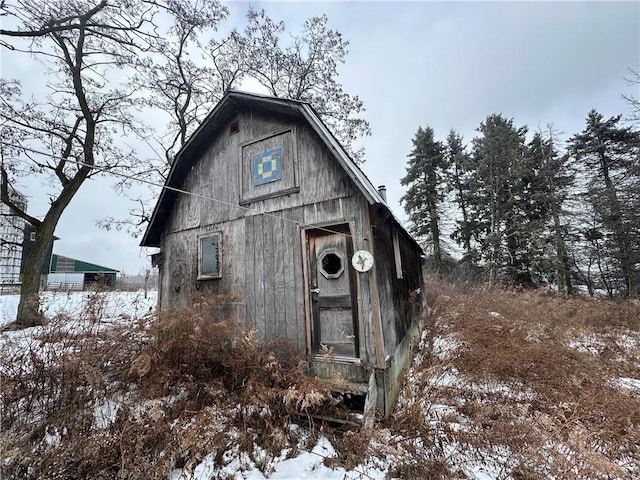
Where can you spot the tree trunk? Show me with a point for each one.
(435, 234)
(621, 233)
(466, 231)
(495, 240)
(562, 259)
(29, 313)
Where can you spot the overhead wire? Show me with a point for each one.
(108, 171)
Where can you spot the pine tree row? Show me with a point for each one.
(513, 211)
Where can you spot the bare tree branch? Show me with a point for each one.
(55, 25)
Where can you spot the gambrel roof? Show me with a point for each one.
(217, 120)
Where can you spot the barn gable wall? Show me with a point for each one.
(262, 257)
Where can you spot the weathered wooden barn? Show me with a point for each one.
(262, 202)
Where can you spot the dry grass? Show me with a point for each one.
(523, 383)
(136, 400)
(526, 381)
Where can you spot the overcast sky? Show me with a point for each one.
(442, 64)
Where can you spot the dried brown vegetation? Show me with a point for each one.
(506, 384)
(526, 383)
(134, 401)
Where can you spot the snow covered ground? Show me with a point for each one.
(107, 305)
(307, 465)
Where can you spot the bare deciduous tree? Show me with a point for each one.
(68, 128)
(185, 75)
(305, 69)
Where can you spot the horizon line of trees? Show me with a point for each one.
(530, 212)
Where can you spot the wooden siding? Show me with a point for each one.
(273, 229)
(398, 311)
(273, 272)
(178, 281)
(215, 176)
(262, 254)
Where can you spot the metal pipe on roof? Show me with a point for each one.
(382, 190)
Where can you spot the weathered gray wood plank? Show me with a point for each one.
(259, 280)
(279, 288)
(296, 280)
(250, 279)
(269, 266)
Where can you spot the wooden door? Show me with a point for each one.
(332, 295)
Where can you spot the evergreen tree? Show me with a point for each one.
(425, 193)
(498, 156)
(458, 177)
(516, 214)
(609, 157)
(552, 184)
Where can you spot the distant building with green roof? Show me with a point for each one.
(72, 274)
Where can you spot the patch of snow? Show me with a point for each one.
(444, 346)
(445, 379)
(104, 413)
(495, 315)
(112, 305)
(424, 339)
(369, 472)
(206, 469)
(52, 436)
(306, 466)
(493, 464)
(588, 344)
(309, 465)
(418, 359)
(8, 308)
(424, 336)
(481, 472)
(439, 410)
(631, 384)
(627, 342)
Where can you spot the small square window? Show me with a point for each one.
(33, 236)
(210, 256)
